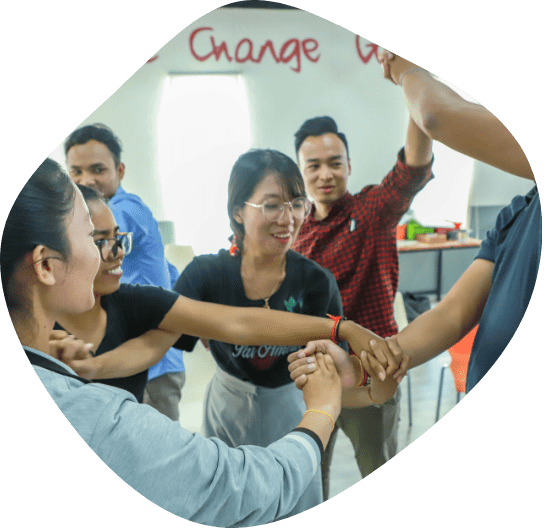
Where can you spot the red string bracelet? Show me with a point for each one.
(364, 382)
(335, 329)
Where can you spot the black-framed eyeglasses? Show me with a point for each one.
(109, 247)
(273, 210)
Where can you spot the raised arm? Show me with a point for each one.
(446, 117)
(417, 148)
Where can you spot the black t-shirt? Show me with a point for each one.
(307, 289)
(131, 311)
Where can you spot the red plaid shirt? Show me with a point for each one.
(357, 242)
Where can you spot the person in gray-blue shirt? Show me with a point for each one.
(48, 265)
(199, 479)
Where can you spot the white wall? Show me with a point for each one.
(370, 110)
(492, 186)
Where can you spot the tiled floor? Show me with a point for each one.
(344, 472)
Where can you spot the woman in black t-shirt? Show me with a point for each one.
(121, 311)
(251, 399)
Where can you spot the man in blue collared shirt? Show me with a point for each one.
(93, 159)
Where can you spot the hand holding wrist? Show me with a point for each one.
(90, 368)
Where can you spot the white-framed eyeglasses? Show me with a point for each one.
(273, 210)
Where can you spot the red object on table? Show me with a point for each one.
(401, 232)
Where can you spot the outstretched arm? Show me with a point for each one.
(257, 326)
(446, 117)
(242, 326)
(133, 356)
(438, 329)
(434, 331)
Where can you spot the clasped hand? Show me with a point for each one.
(382, 387)
(74, 352)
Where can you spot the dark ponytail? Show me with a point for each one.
(39, 216)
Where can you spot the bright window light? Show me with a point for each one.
(203, 126)
(446, 198)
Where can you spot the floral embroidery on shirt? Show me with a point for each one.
(291, 303)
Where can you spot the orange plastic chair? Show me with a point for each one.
(460, 357)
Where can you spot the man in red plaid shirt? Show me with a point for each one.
(355, 237)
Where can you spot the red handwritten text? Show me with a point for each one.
(373, 51)
(291, 50)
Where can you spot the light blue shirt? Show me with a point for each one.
(202, 480)
(146, 263)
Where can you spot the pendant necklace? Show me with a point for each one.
(266, 299)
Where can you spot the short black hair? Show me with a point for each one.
(99, 132)
(318, 126)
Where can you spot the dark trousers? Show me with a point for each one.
(164, 392)
(372, 430)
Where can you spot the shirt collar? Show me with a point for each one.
(118, 193)
(50, 358)
(341, 207)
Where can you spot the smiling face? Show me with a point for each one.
(92, 165)
(261, 235)
(108, 278)
(325, 167)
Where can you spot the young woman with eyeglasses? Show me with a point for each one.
(251, 398)
(121, 311)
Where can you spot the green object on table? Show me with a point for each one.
(413, 228)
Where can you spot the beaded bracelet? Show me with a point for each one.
(321, 412)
